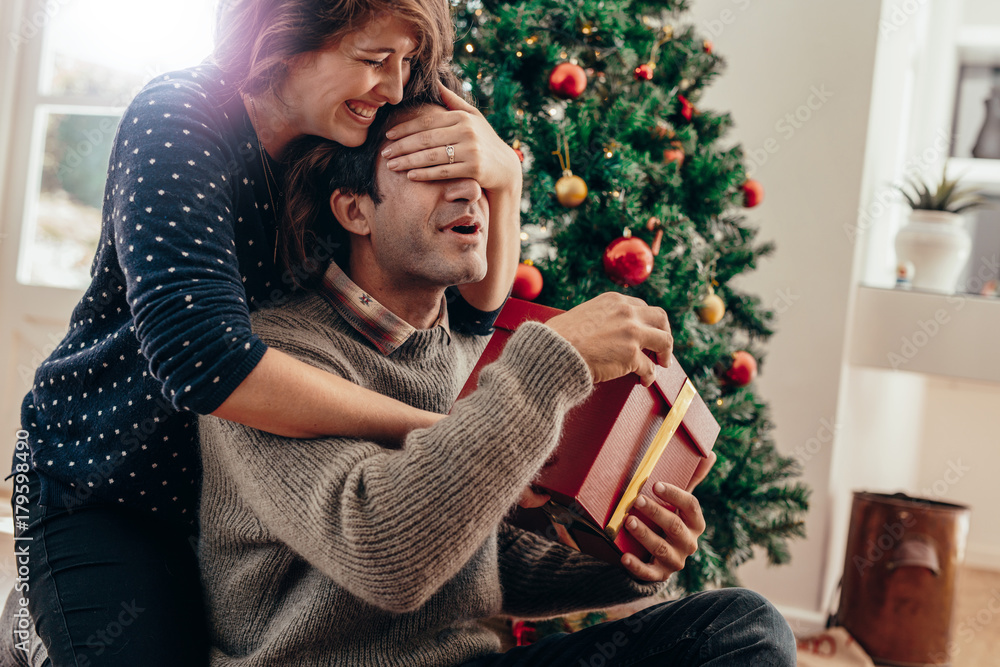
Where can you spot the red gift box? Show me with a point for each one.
(615, 445)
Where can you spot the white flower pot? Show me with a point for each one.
(938, 245)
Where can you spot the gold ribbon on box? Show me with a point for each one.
(656, 448)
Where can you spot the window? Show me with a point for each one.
(84, 60)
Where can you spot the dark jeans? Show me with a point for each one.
(111, 587)
(732, 627)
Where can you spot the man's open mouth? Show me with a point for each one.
(466, 224)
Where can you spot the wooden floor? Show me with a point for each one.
(976, 633)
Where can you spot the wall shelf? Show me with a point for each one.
(974, 172)
(955, 336)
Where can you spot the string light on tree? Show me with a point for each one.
(662, 130)
(644, 72)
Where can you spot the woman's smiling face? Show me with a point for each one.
(334, 93)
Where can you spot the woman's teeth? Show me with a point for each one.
(364, 111)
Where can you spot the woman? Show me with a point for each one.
(189, 246)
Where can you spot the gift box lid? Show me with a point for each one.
(698, 423)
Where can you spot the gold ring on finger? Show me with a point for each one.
(450, 150)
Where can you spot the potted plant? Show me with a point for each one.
(935, 239)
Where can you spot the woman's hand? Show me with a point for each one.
(420, 147)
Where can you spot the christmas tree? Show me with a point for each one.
(627, 187)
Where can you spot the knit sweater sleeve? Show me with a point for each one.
(171, 199)
(543, 578)
(392, 526)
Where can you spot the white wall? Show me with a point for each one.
(981, 12)
(961, 457)
(781, 57)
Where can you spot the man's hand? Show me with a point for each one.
(611, 331)
(680, 527)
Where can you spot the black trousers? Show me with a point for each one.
(732, 627)
(110, 587)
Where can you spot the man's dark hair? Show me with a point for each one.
(316, 167)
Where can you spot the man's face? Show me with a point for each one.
(429, 233)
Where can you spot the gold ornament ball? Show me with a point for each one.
(712, 309)
(571, 191)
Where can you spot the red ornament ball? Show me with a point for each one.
(527, 282)
(568, 81)
(706, 46)
(628, 261)
(744, 369)
(644, 72)
(753, 193)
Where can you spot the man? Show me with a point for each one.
(338, 551)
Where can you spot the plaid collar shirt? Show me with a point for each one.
(383, 328)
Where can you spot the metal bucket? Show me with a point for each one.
(898, 589)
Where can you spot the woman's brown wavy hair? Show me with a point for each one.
(257, 40)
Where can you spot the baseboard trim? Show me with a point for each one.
(983, 557)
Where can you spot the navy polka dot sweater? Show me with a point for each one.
(163, 332)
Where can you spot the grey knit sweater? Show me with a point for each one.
(338, 551)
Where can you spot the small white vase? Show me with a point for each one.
(938, 245)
